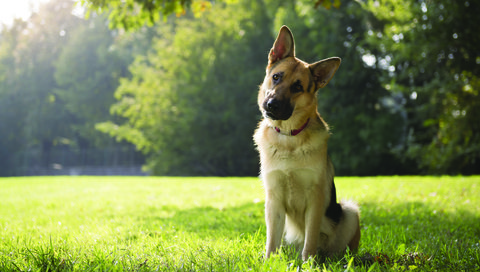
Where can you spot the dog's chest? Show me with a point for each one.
(294, 190)
(294, 187)
(293, 171)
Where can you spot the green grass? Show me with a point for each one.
(217, 224)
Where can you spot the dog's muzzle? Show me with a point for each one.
(277, 109)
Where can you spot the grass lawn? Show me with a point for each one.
(217, 224)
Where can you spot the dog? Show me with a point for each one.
(297, 174)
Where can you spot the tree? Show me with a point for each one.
(429, 56)
(191, 104)
(10, 97)
(87, 73)
(35, 114)
(365, 127)
(58, 73)
(404, 100)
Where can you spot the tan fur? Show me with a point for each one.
(296, 171)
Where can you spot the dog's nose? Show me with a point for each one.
(277, 109)
(273, 104)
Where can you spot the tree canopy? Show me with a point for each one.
(132, 14)
(182, 89)
(58, 73)
(429, 56)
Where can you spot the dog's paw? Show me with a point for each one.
(308, 254)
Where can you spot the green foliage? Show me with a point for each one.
(31, 115)
(377, 129)
(429, 55)
(404, 101)
(217, 224)
(191, 101)
(165, 101)
(58, 73)
(134, 14)
(87, 73)
(354, 101)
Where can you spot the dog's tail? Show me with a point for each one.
(347, 231)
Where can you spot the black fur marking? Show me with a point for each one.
(310, 83)
(296, 87)
(274, 64)
(334, 210)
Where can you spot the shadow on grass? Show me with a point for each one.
(409, 234)
(421, 223)
(418, 234)
(209, 221)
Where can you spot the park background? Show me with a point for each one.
(171, 86)
(171, 89)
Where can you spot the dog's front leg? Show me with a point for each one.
(275, 219)
(313, 220)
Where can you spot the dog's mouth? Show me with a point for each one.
(270, 115)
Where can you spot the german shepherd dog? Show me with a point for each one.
(300, 201)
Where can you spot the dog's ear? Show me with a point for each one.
(324, 70)
(283, 47)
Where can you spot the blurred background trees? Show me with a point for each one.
(180, 85)
(58, 75)
(430, 55)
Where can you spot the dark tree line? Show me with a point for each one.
(183, 90)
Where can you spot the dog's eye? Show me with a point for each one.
(296, 87)
(276, 77)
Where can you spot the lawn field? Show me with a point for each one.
(217, 224)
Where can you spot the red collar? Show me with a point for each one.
(295, 131)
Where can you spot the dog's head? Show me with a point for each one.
(290, 84)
